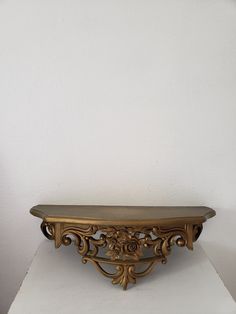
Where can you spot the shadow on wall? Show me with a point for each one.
(223, 259)
(217, 240)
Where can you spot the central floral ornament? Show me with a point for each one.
(123, 245)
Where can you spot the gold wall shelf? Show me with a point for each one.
(125, 237)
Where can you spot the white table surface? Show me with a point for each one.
(57, 282)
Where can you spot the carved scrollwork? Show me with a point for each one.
(83, 238)
(48, 230)
(123, 247)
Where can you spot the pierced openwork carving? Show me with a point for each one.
(123, 242)
(122, 247)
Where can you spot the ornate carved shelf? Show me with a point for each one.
(125, 237)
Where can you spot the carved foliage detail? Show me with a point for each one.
(124, 246)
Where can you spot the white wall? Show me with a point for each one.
(116, 102)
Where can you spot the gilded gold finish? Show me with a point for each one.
(143, 236)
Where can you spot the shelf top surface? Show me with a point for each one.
(122, 215)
